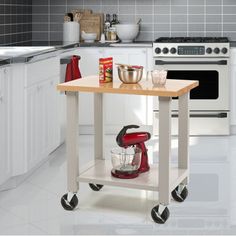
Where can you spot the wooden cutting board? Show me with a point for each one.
(92, 23)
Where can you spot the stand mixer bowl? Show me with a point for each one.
(126, 162)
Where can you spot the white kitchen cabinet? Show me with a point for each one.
(52, 116)
(36, 124)
(5, 159)
(35, 127)
(233, 87)
(42, 121)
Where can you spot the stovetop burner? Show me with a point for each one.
(192, 40)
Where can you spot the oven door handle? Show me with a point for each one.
(215, 115)
(161, 62)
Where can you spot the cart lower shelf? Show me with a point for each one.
(99, 172)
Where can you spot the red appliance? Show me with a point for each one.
(136, 140)
(72, 69)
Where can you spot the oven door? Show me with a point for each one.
(212, 74)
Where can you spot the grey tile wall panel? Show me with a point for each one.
(162, 27)
(98, 8)
(145, 18)
(229, 9)
(109, 2)
(213, 27)
(143, 9)
(92, 2)
(213, 2)
(161, 10)
(196, 34)
(179, 18)
(56, 36)
(146, 36)
(213, 19)
(179, 27)
(196, 27)
(229, 27)
(75, 2)
(126, 2)
(57, 10)
(126, 10)
(196, 10)
(110, 9)
(127, 18)
(213, 10)
(162, 2)
(159, 17)
(229, 2)
(178, 34)
(146, 27)
(57, 2)
(196, 2)
(214, 34)
(146, 2)
(179, 2)
(56, 27)
(15, 21)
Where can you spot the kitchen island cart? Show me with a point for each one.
(161, 177)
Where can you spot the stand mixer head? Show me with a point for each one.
(135, 140)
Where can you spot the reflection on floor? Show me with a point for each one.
(34, 207)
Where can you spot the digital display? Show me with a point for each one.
(191, 50)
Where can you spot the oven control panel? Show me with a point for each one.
(191, 50)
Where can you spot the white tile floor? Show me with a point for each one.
(34, 207)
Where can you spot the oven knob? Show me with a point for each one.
(157, 50)
(165, 50)
(208, 50)
(173, 50)
(224, 50)
(217, 50)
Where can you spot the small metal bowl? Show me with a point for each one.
(130, 75)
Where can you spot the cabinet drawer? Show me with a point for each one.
(41, 70)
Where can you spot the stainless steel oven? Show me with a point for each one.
(209, 103)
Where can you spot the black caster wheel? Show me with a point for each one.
(67, 204)
(180, 193)
(160, 216)
(95, 187)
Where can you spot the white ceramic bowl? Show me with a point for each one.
(88, 37)
(127, 32)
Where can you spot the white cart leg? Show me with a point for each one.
(164, 149)
(183, 150)
(72, 132)
(98, 126)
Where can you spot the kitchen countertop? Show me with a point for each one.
(32, 49)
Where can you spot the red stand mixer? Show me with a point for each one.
(138, 159)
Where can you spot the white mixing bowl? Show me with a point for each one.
(88, 37)
(127, 32)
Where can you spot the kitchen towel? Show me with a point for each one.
(72, 69)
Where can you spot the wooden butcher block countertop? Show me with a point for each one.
(172, 88)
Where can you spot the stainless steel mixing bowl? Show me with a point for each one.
(130, 75)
